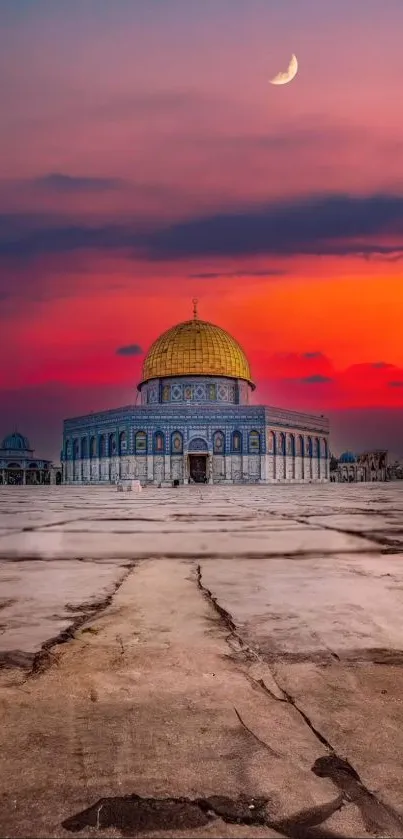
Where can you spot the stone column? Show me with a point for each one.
(298, 468)
(280, 470)
(167, 467)
(209, 468)
(288, 467)
(263, 468)
(271, 462)
(185, 468)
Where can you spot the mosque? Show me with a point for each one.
(195, 422)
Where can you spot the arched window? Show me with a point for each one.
(122, 442)
(309, 447)
(112, 445)
(290, 445)
(316, 447)
(236, 442)
(67, 448)
(281, 443)
(76, 449)
(102, 446)
(84, 448)
(177, 443)
(324, 448)
(218, 443)
(93, 447)
(254, 442)
(300, 445)
(271, 443)
(141, 442)
(159, 442)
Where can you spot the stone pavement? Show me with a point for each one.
(224, 661)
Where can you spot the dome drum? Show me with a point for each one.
(182, 390)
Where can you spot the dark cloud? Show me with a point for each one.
(315, 354)
(216, 275)
(131, 349)
(59, 182)
(316, 379)
(396, 383)
(381, 365)
(330, 224)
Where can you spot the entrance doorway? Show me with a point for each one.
(198, 468)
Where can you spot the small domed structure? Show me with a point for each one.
(16, 442)
(347, 457)
(19, 466)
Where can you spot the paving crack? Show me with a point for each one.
(38, 663)
(376, 814)
(257, 738)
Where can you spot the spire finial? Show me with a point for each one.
(195, 302)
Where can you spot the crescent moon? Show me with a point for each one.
(290, 73)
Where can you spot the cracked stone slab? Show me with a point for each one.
(315, 607)
(61, 543)
(163, 691)
(43, 599)
(146, 705)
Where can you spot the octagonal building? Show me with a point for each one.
(195, 422)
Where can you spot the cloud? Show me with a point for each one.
(396, 383)
(131, 349)
(381, 365)
(217, 275)
(314, 354)
(60, 182)
(316, 379)
(328, 224)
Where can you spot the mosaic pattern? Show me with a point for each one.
(176, 393)
(177, 443)
(141, 442)
(219, 443)
(254, 442)
(199, 393)
(198, 445)
(152, 394)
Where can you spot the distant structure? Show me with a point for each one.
(356, 468)
(395, 471)
(196, 423)
(19, 466)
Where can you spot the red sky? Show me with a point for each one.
(145, 160)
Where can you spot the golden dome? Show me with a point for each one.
(196, 348)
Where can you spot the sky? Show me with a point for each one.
(145, 160)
